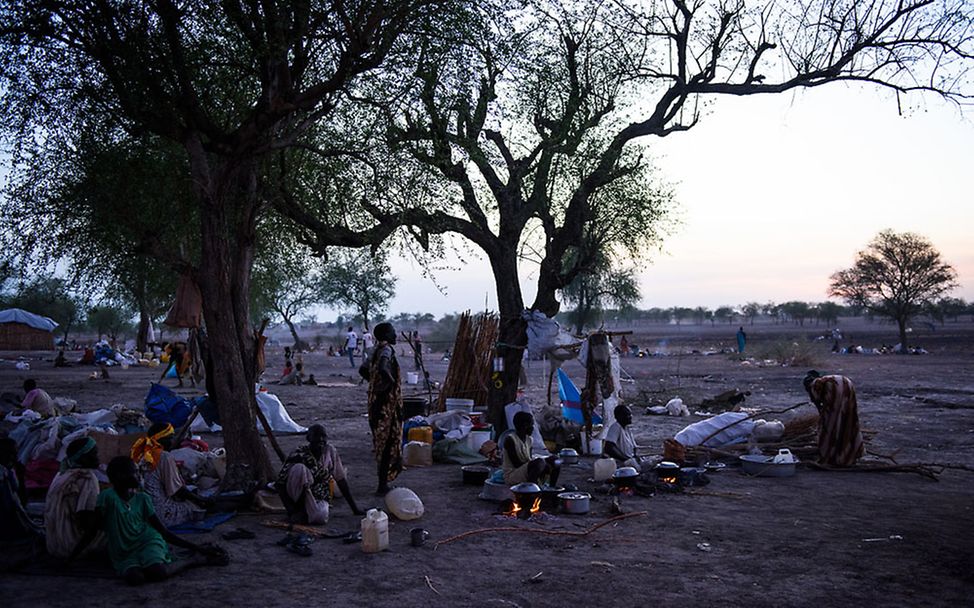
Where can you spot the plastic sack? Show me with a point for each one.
(404, 504)
(697, 432)
(163, 405)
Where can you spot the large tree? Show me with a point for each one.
(533, 120)
(360, 280)
(895, 276)
(232, 85)
(601, 286)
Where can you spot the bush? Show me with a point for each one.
(789, 353)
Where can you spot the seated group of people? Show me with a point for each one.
(81, 520)
(519, 465)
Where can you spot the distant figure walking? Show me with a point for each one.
(741, 339)
(351, 342)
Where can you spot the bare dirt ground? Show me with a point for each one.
(773, 542)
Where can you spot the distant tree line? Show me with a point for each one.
(793, 313)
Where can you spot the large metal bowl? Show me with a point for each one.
(765, 466)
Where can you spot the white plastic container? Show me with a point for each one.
(784, 456)
(453, 403)
(478, 438)
(375, 531)
(593, 447)
(604, 468)
(412, 378)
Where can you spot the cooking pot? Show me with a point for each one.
(625, 477)
(667, 471)
(575, 502)
(568, 456)
(475, 474)
(525, 495)
(549, 498)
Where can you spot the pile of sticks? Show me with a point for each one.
(468, 376)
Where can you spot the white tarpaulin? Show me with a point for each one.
(273, 410)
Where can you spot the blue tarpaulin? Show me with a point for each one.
(163, 405)
(571, 400)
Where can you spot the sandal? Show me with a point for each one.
(301, 549)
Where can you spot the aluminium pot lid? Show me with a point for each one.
(526, 488)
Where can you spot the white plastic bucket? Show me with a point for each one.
(594, 448)
(478, 438)
(412, 378)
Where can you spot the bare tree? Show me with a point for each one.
(895, 276)
(533, 119)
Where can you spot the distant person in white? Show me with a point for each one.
(351, 341)
(368, 343)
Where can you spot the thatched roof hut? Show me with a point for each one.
(22, 330)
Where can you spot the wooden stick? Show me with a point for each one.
(429, 584)
(538, 530)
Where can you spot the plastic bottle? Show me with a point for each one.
(375, 531)
(604, 468)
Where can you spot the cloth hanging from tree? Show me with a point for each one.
(187, 309)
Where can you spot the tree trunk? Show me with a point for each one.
(142, 339)
(299, 344)
(512, 337)
(227, 195)
(901, 322)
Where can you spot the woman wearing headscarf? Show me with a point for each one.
(839, 439)
(173, 501)
(71, 499)
(305, 479)
(385, 407)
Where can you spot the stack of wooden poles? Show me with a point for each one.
(468, 376)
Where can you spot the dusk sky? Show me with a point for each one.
(777, 192)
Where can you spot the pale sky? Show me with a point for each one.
(777, 192)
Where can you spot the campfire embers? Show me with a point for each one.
(512, 508)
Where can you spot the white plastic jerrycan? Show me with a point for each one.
(784, 456)
(604, 468)
(375, 531)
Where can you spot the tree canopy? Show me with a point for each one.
(895, 276)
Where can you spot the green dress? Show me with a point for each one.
(132, 541)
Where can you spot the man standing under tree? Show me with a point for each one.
(351, 341)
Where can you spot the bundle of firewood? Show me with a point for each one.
(468, 376)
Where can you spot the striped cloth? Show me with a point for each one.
(839, 440)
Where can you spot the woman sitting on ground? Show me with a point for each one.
(70, 509)
(135, 536)
(172, 500)
(303, 483)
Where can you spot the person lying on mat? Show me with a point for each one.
(304, 480)
(137, 540)
(517, 464)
